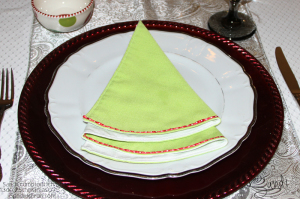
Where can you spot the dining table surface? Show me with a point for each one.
(24, 43)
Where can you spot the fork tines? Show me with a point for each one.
(8, 86)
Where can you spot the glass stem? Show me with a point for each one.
(232, 21)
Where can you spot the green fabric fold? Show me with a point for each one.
(147, 93)
(180, 144)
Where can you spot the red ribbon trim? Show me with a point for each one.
(161, 131)
(151, 152)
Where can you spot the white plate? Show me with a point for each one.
(216, 78)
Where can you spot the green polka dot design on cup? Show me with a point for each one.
(67, 22)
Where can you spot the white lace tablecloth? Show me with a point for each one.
(24, 43)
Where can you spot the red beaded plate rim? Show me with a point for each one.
(221, 179)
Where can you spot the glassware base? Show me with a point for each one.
(244, 31)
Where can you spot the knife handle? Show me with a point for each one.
(297, 96)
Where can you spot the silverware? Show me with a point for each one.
(6, 101)
(287, 74)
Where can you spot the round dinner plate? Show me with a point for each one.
(53, 156)
(214, 76)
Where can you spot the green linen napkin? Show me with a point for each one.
(148, 107)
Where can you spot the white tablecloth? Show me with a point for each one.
(15, 29)
(278, 25)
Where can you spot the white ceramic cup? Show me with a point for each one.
(63, 15)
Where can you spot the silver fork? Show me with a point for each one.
(6, 101)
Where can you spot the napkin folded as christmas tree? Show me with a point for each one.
(148, 113)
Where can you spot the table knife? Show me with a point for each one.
(287, 74)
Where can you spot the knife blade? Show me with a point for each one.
(287, 74)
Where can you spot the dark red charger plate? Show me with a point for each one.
(220, 180)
